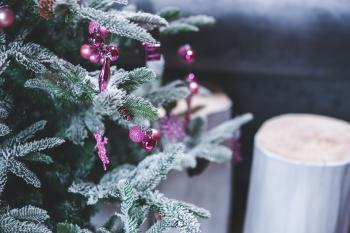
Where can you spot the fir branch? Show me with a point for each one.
(39, 157)
(76, 132)
(29, 213)
(104, 4)
(142, 18)
(20, 170)
(140, 107)
(117, 24)
(107, 102)
(170, 13)
(198, 20)
(27, 219)
(177, 27)
(4, 129)
(131, 215)
(212, 153)
(225, 130)
(135, 78)
(3, 174)
(70, 228)
(35, 146)
(153, 169)
(169, 93)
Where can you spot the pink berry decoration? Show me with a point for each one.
(187, 54)
(136, 134)
(193, 87)
(155, 134)
(113, 52)
(86, 51)
(101, 149)
(95, 27)
(152, 51)
(7, 17)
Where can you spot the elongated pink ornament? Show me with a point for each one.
(105, 74)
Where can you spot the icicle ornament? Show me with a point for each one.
(101, 148)
(105, 75)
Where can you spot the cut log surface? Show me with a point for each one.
(300, 181)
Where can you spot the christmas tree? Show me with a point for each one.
(52, 101)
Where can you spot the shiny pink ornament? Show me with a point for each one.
(95, 27)
(186, 53)
(193, 87)
(86, 51)
(152, 51)
(7, 17)
(105, 75)
(94, 57)
(148, 143)
(190, 77)
(155, 134)
(136, 134)
(95, 40)
(113, 52)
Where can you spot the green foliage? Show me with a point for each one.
(16, 147)
(28, 219)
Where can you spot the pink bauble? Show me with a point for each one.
(194, 87)
(148, 143)
(186, 53)
(86, 51)
(95, 40)
(190, 77)
(113, 52)
(6, 17)
(94, 27)
(155, 134)
(136, 134)
(94, 58)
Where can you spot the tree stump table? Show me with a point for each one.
(300, 180)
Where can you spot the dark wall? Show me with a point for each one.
(271, 57)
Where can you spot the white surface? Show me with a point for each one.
(286, 196)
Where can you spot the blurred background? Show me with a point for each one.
(270, 57)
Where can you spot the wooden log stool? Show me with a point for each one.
(300, 180)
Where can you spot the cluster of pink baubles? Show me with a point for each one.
(188, 55)
(7, 17)
(97, 52)
(148, 138)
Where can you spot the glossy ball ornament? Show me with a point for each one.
(187, 54)
(95, 27)
(193, 87)
(95, 40)
(113, 52)
(95, 57)
(190, 77)
(152, 51)
(148, 143)
(155, 134)
(7, 17)
(136, 134)
(86, 51)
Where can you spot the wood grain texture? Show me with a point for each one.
(296, 196)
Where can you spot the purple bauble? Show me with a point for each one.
(94, 57)
(113, 52)
(95, 40)
(86, 51)
(148, 143)
(193, 87)
(7, 17)
(154, 134)
(186, 53)
(190, 77)
(95, 27)
(136, 134)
